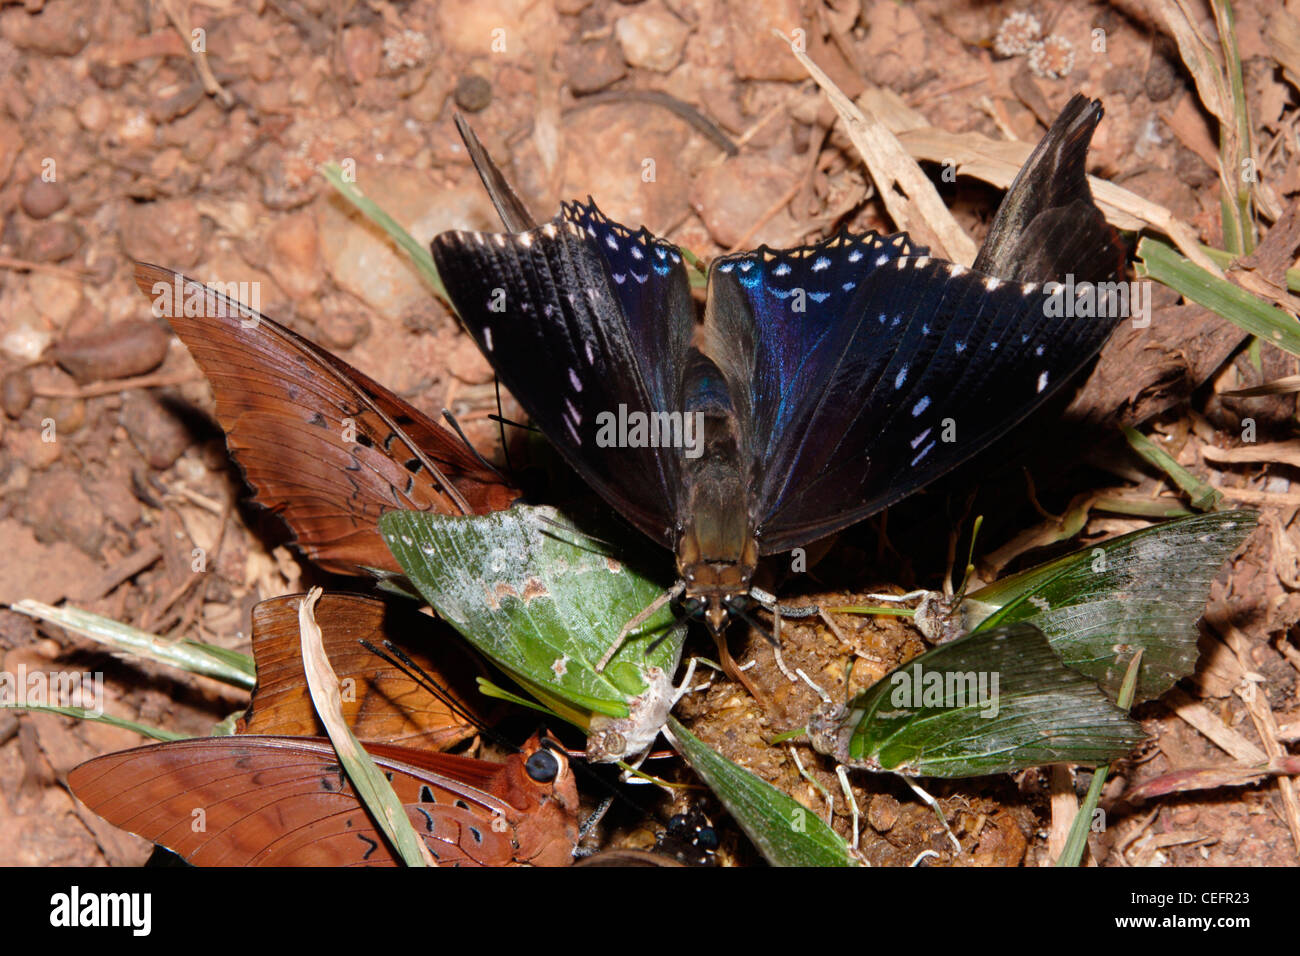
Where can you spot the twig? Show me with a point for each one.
(200, 57)
(26, 265)
(153, 380)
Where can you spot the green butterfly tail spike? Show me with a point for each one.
(785, 832)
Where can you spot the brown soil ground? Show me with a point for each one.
(117, 141)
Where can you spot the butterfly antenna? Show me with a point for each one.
(501, 425)
(574, 529)
(451, 420)
(501, 419)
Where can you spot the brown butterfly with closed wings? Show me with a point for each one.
(323, 445)
(285, 801)
(275, 793)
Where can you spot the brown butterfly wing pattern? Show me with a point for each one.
(323, 445)
(381, 703)
(281, 801)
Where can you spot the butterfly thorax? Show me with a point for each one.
(716, 549)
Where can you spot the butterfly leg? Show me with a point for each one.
(938, 811)
(590, 823)
(830, 803)
(768, 601)
(843, 774)
(684, 688)
(899, 598)
(672, 594)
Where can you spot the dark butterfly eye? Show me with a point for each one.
(692, 606)
(543, 766)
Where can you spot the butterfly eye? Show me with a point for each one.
(692, 606)
(543, 766)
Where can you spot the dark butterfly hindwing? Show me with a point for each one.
(1048, 226)
(923, 363)
(580, 317)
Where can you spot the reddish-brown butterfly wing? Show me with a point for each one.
(381, 704)
(325, 446)
(285, 801)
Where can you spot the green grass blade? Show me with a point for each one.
(1224, 259)
(373, 789)
(1203, 496)
(1077, 841)
(1235, 159)
(420, 256)
(229, 667)
(1159, 261)
(145, 730)
(785, 832)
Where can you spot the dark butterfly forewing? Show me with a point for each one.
(321, 444)
(285, 801)
(1048, 226)
(380, 702)
(582, 317)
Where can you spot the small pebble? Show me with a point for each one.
(16, 392)
(882, 813)
(1162, 79)
(119, 351)
(473, 93)
(92, 113)
(651, 39)
(42, 199)
(52, 242)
